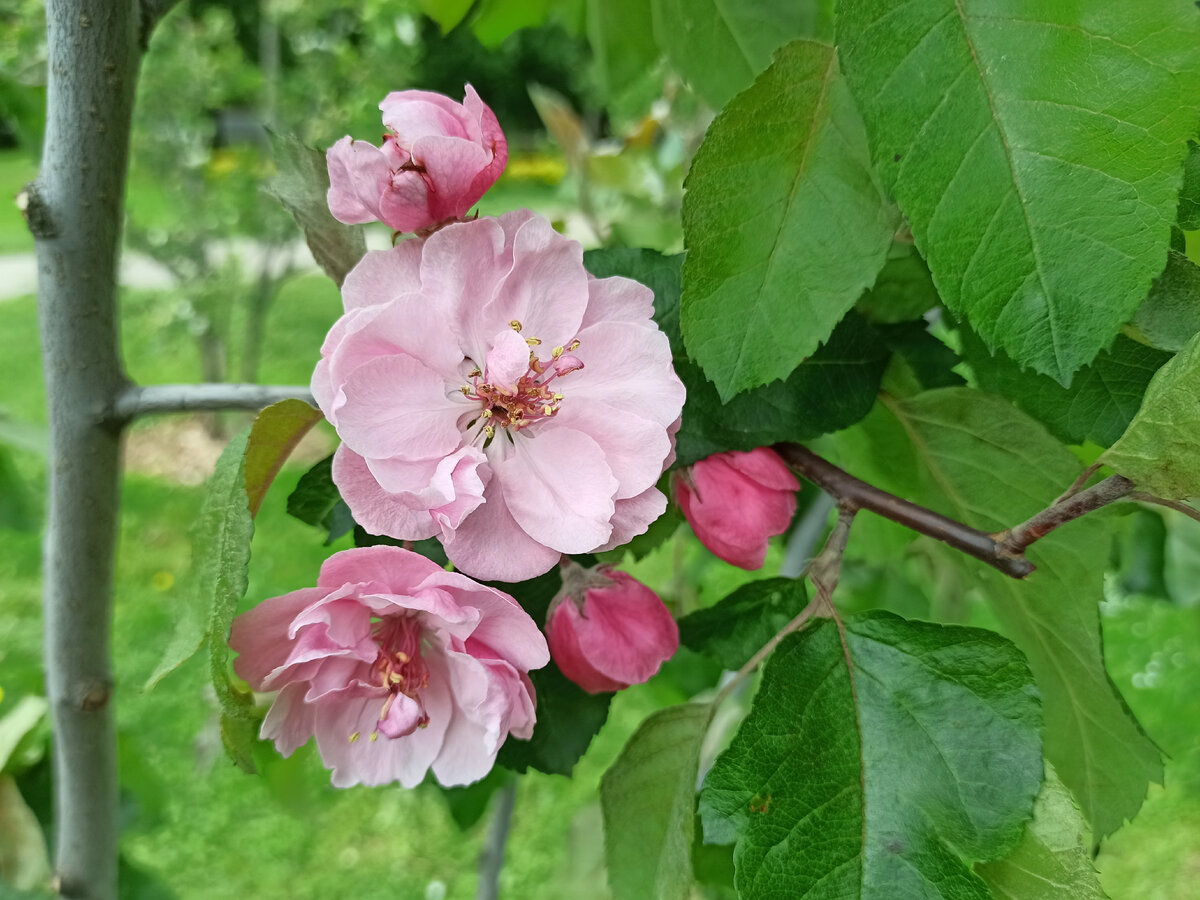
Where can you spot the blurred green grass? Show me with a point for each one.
(208, 831)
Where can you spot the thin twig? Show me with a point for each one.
(1078, 483)
(1014, 540)
(823, 572)
(847, 489)
(172, 398)
(1177, 505)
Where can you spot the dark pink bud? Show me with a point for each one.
(735, 501)
(607, 630)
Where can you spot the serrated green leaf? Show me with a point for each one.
(1188, 215)
(495, 20)
(929, 360)
(871, 768)
(1036, 150)
(275, 433)
(648, 797)
(974, 457)
(783, 221)
(1103, 397)
(1052, 861)
(1170, 314)
(1160, 451)
(567, 719)
(903, 289)
(719, 46)
(734, 629)
(831, 390)
(301, 183)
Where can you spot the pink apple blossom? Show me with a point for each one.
(437, 159)
(607, 630)
(396, 666)
(735, 501)
(489, 392)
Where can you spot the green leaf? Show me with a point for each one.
(734, 629)
(870, 768)
(468, 803)
(783, 221)
(316, 501)
(831, 390)
(903, 290)
(974, 457)
(648, 797)
(276, 432)
(719, 46)
(1098, 406)
(301, 184)
(1052, 861)
(1035, 149)
(18, 722)
(1160, 451)
(1188, 215)
(497, 19)
(929, 360)
(567, 719)
(447, 13)
(1170, 315)
(621, 35)
(24, 859)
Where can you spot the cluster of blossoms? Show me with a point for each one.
(489, 392)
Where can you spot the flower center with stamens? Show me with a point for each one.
(530, 398)
(399, 669)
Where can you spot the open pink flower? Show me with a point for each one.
(489, 392)
(607, 630)
(437, 159)
(735, 501)
(396, 666)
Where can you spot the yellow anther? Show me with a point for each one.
(558, 351)
(547, 410)
(402, 656)
(474, 373)
(558, 396)
(354, 737)
(487, 414)
(396, 678)
(533, 342)
(574, 345)
(514, 325)
(374, 736)
(466, 389)
(489, 431)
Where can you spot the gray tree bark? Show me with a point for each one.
(75, 210)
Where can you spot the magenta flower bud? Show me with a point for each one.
(735, 501)
(437, 159)
(608, 630)
(396, 666)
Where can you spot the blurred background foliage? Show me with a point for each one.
(603, 102)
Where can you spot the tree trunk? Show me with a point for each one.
(75, 212)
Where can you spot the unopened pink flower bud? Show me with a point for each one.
(735, 501)
(437, 159)
(607, 630)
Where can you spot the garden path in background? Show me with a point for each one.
(18, 271)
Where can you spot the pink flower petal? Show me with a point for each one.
(290, 721)
(559, 488)
(507, 361)
(375, 509)
(634, 516)
(634, 451)
(383, 275)
(255, 635)
(490, 544)
(398, 402)
(617, 299)
(358, 174)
